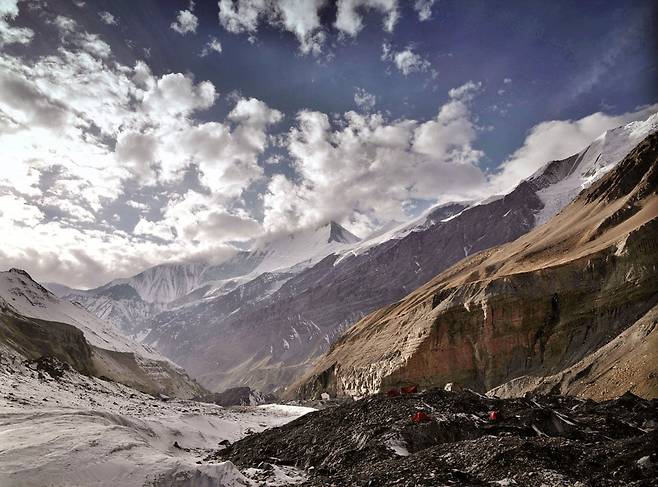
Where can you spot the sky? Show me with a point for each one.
(139, 132)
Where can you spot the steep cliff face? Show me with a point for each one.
(534, 306)
(627, 363)
(36, 324)
(33, 339)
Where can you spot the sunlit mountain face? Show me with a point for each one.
(139, 133)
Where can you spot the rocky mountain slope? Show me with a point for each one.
(35, 323)
(535, 306)
(627, 363)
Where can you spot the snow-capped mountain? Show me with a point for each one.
(130, 302)
(119, 304)
(168, 282)
(397, 230)
(303, 248)
(559, 182)
(21, 294)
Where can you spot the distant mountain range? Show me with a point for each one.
(261, 317)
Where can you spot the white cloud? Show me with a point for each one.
(66, 25)
(80, 129)
(465, 92)
(107, 18)
(71, 34)
(94, 45)
(9, 8)
(10, 34)
(255, 113)
(299, 18)
(176, 94)
(303, 18)
(213, 45)
(186, 21)
(364, 100)
(137, 205)
(558, 139)
(15, 210)
(424, 9)
(199, 218)
(452, 128)
(368, 169)
(406, 60)
(241, 16)
(349, 18)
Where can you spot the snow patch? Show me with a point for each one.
(596, 160)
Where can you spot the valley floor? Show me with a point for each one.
(58, 428)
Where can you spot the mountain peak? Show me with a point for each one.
(15, 270)
(339, 234)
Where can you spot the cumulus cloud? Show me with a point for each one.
(349, 16)
(176, 94)
(424, 9)
(406, 60)
(366, 169)
(10, 34)
(557, 139)
(302, 19)
(197, 217)
(186, 21)
(107, 18)
(363, 100)
(86, 134)
(213, 45)
(299, 18)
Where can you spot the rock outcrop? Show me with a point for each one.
(627, 363)
(535, 306)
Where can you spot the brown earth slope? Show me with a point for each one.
(535, 306)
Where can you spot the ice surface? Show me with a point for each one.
(80, 430)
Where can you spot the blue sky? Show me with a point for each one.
(180, 130)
